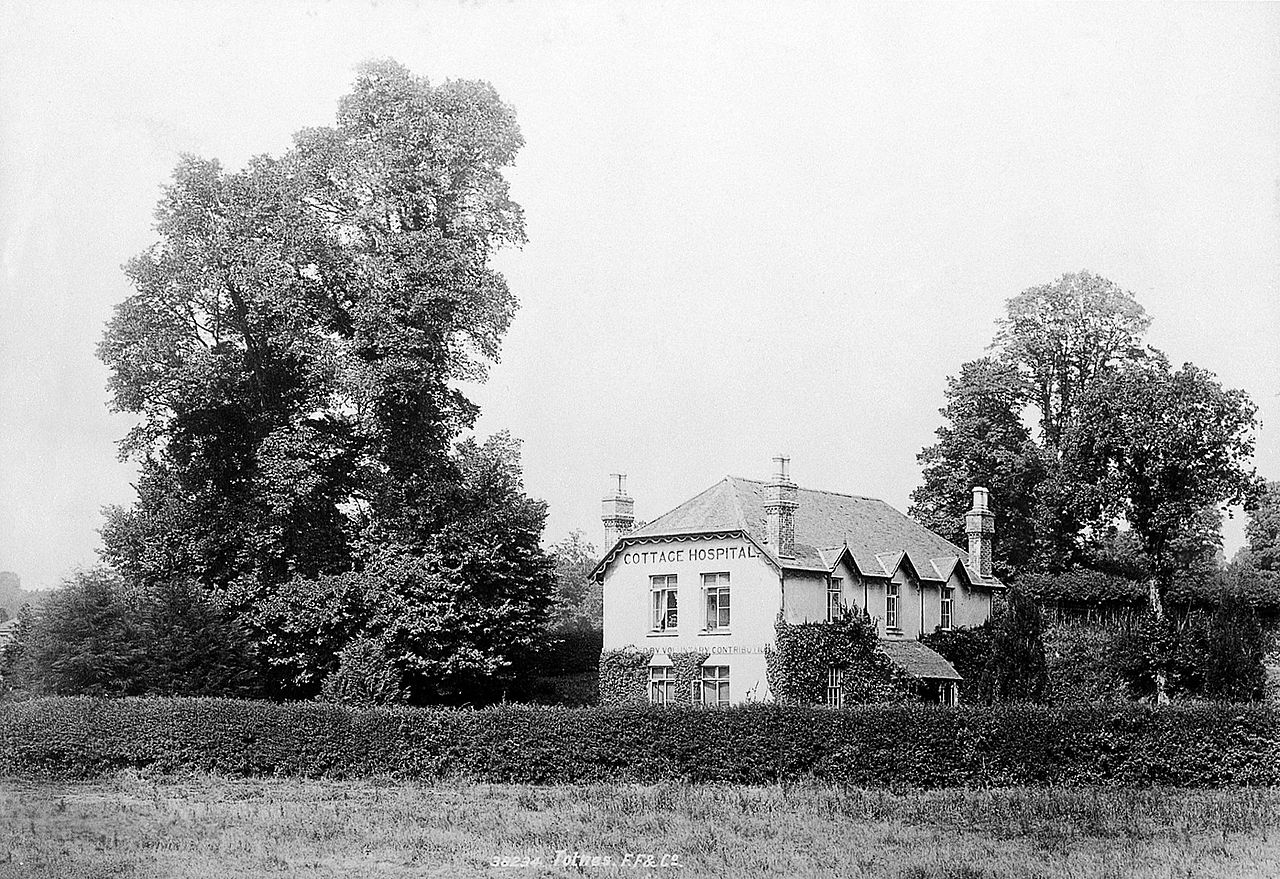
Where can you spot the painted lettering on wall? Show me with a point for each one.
(718, 649)
(692, 554)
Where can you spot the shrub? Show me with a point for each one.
(805, 653)
(1081, 667)
(1003, 660)
(869, 746)
(365, 676)
(969, 651)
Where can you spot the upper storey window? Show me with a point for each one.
(665, 601)
(716, 589)
(835, 598)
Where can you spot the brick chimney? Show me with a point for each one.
(780, 503)
(980, 525)
(618, 511)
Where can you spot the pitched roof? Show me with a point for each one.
(876, 534)
(919, 661)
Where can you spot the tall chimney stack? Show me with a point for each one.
(618, 511)
(780, 502)
(980, 525)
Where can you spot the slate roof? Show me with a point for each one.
(918, 660)
(877, 535)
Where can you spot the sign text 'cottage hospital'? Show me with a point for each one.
(690, 554)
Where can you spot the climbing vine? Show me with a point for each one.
(804, 654)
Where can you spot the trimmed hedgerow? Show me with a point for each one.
(876, 746)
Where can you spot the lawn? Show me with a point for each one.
(179, 828)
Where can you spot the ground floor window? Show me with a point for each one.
(835, 687)
(715, 686)
(662, 685)
(948, 693)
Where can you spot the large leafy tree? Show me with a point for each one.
(1171, 445)
(1064, 338)
(294, 351)
(297, 333)
(101, 636)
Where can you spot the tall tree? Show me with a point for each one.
(984, 442)
(1172, 444)
(297, 333)
(295, 350)
(1064, 338)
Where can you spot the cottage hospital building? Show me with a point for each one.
(711, 576)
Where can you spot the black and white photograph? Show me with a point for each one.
(661, 440)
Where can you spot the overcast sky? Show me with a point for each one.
(751, 229)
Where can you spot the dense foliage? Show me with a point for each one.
(1213, 653)
(624, 676)
(1127, 471)
(98, 635)
(294, 351)
(578, 600)
(871, 746)
(804, 654)
(1003, 660)
(1130, 459)
(1255, 570)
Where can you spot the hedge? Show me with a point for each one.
(869, 746)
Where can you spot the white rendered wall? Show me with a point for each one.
(754, 599)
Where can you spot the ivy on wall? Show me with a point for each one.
(804, 653)
(624, 675)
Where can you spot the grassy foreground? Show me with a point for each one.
(180, 828)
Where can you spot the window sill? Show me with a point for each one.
(892, 630)
(663, 635)
(715, 632)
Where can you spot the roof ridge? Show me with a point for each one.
(861, 497)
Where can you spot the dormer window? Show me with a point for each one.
(835, 598)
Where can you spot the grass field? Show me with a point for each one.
(180, 828)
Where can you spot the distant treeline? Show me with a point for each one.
(13, 596)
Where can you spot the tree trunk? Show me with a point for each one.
(1157, 608)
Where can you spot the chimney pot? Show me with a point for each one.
(780, 503)
(618, 511)
(980, 526)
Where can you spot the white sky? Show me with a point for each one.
(752, 228)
